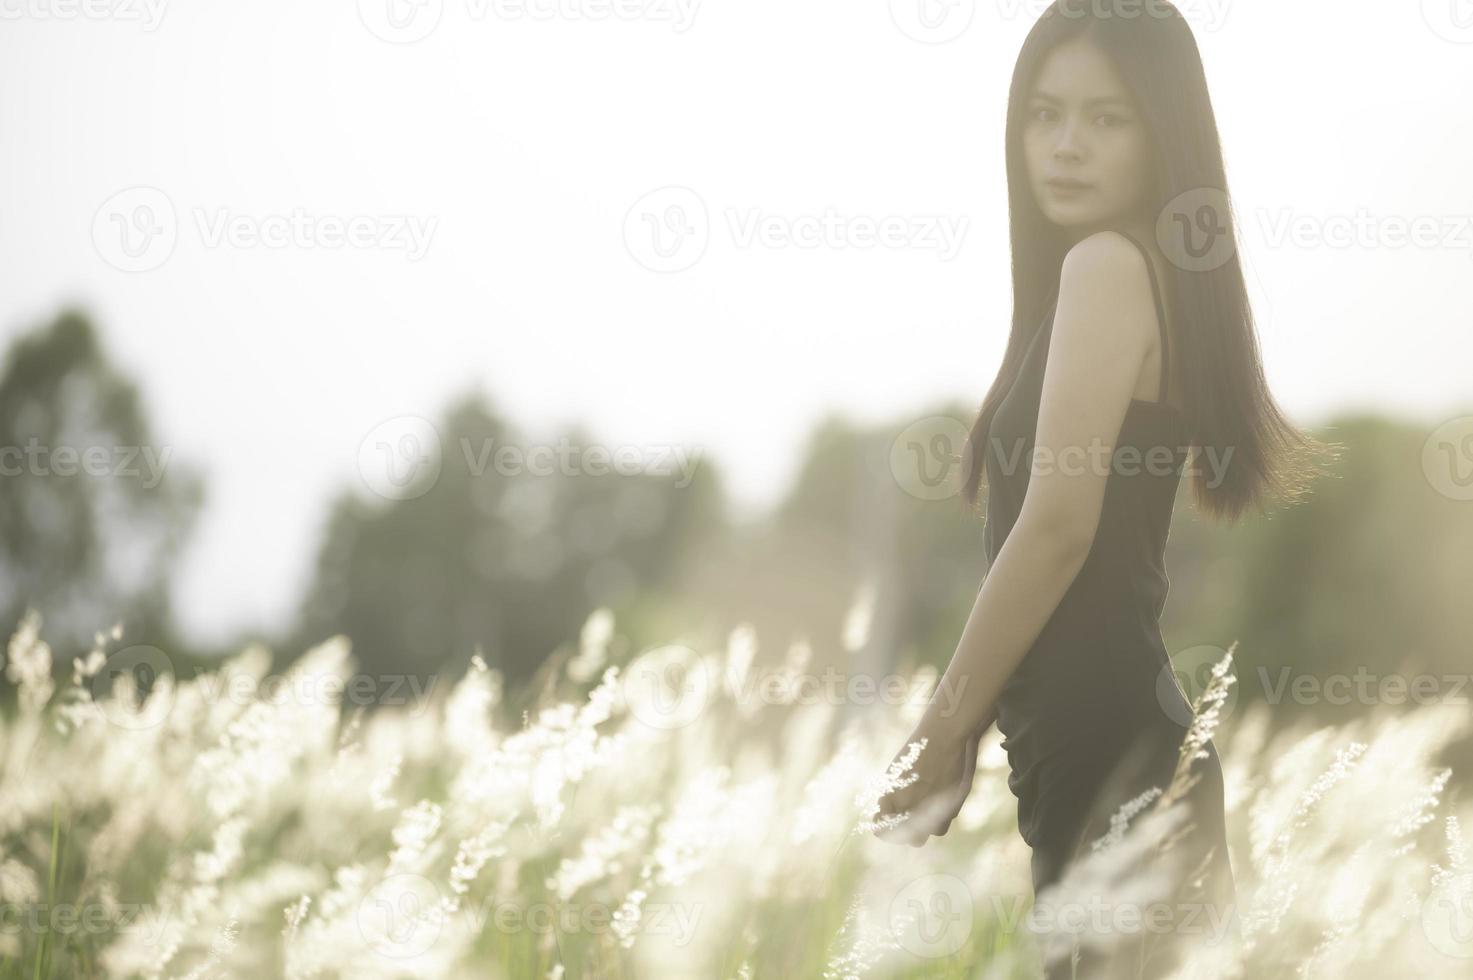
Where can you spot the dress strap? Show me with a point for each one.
(1160, 316)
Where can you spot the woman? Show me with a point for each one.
(1132, 350)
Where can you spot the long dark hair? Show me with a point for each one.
(1214, 348)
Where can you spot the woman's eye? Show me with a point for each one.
(1042, 114)
(1111, 120)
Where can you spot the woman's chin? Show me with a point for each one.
(1067, 217)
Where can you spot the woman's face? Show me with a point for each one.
(1083, 128)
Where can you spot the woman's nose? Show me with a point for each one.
(1067, 148)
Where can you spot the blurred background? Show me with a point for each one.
(442, 324)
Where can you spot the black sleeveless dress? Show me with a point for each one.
(1093, 715)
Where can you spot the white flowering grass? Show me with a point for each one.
(613, 832)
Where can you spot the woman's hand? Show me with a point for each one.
(944, 771)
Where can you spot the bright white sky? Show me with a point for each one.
(527, 140)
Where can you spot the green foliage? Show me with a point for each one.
(510, 563)
(94, 509)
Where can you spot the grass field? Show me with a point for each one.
(231, 826)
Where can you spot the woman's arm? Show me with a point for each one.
(1104, 328)
(1021, 590)
(1032, 572)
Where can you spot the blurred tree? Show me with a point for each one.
(94, 510)
(508, 562)
(861, 530)
(1370, 572)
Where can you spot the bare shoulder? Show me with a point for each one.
(1105, 257)
(1106, 278)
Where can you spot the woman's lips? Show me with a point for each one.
(1067, 188)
